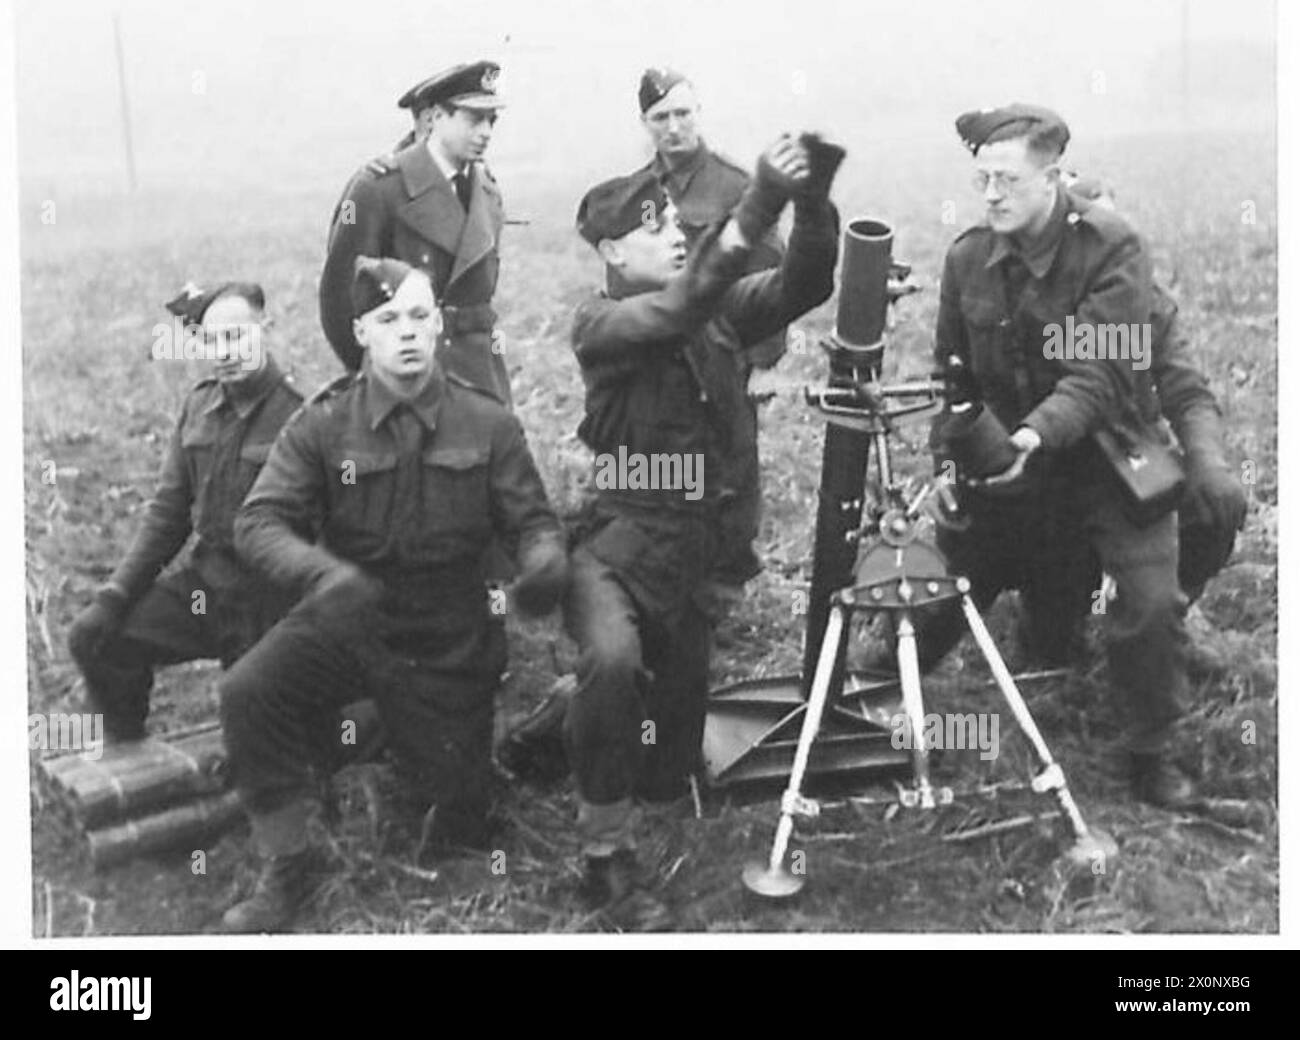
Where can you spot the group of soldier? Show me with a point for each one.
(344, 545)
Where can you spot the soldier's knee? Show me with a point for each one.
(611, 659)
(1146, 599)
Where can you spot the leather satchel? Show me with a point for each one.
(1149, 469)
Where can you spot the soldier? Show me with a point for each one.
(1211, 512)
(1042, 257)
(436, 207)
(1213, 508)
(209, 606)
(660, 353)
(377, 502)
(705, 187)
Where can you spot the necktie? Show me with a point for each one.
(460, 181)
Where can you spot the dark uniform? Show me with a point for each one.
(664, 373)
(705, 189)
(411, 495)
(995, 304)
(406, 208)
(209, 605)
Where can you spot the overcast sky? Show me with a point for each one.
(242, 91)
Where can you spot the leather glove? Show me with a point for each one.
(97, 623)
(544, 577)
(824, 161)
(1214, 496)
(780, 172)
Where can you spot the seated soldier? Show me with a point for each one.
(377, 503)
(209, 606)
(662, 358)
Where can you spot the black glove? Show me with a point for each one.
(824, 161)
(1214, 496)
(543, 579)
(780, 172)
(98, 622)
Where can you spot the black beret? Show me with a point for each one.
(655, 84)
(191, 303)
(463, 86)
(613, 208)
(376, 281)
(975, 128)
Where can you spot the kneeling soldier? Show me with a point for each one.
(210, 606)
(377, 502)
(1046, 260)
(662, 358)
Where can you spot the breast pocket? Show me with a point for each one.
(456, 490)
(361, 496)
(990, 349)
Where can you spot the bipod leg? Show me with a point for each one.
(909, 676)
(1090, 845)
(773, 879)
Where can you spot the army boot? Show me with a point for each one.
(1157, 781)
(281, 838)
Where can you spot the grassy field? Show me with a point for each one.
(100, 410)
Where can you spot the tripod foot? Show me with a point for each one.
(1095, 851)
(763, 881)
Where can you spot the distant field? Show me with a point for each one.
(100, 409)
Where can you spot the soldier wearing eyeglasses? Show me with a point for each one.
(1043, 255)
(210, 606)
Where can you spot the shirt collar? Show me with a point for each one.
(247, 394)
(680, 176)
(440, 161)
(1039, 255)
(380, 401)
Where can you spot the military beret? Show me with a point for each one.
(655, 85)
(976, 128)
(191, 303)
(376, 281)
(613, 208)
(473, 85)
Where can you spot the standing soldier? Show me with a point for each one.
(377, 503)
(660, 353)
(705, 187)
(436, 207)
(210, 606)
(1042, 257)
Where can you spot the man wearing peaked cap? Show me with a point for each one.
(141, 618)
(1046, 260)
(661, 358)
(434, 205)
(375, 507)
(705, 186)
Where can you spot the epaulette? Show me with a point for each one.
(381, 165)
(464, 384)
(333, 388)
(970, 231)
